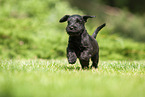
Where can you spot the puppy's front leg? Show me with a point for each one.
(84, 58)
(85, 55)
(71, 56)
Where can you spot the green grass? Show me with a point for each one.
(55, 78)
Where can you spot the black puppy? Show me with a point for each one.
(81, 44)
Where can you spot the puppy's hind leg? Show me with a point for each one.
(95, 60)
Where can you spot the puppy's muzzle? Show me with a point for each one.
(72, 30)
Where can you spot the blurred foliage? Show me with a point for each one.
(30, 29)
(128, 25)
(134, 6)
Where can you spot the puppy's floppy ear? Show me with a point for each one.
(86, 17)
(63, 19)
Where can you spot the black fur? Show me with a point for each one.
(81, 45)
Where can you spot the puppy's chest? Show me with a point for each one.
(78, 44)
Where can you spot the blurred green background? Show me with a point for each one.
(30, 28)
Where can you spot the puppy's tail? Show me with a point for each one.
(97, 30)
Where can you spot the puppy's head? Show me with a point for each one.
(75, 23)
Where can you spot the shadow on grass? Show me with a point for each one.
(74, 67)
(68, 67)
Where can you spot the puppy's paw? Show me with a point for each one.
(72, 61)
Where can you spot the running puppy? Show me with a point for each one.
(81, 45)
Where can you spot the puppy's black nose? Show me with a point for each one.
(71, 28)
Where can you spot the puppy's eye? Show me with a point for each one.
(78, 21)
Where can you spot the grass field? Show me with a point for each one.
(56, 78)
